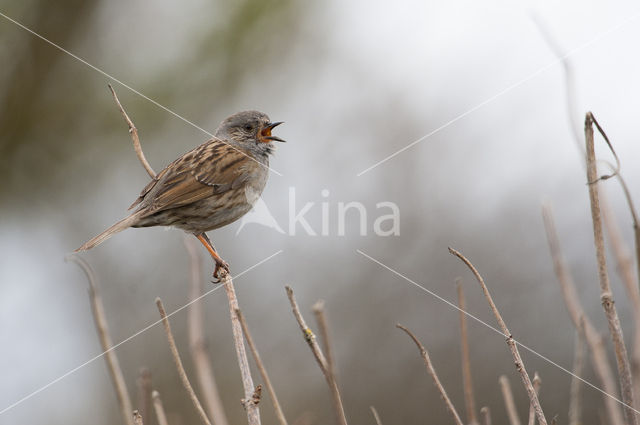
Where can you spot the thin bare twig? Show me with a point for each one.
(569, 80)
(510, 405)
(253, 412)
(537, 383)
(144, 394)
(178, 362)
(467, 381)
(427, 362)
(197, 341)
(622, 359)
(320, 358)
(533, 398)
(321, 320)
(625, 269)
(308, 333)
(624, 261)
(134, 136)
(157, 405)
(375, 415)
(636, 223)
(485, 413)
(261, 368)
(599, 357)
(575, 405)
(99, 317)
(632, 209)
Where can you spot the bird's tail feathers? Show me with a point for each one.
(118, 227)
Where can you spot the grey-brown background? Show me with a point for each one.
(354, 82)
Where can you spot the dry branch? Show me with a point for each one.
(427, 362)
(537, 383)
(375, 415)
(144, 394)
(320, 358)
(569, 80)
(469, 399)
(622, 359)
(178, 362)
(485, 413)
(533, 398)
(599, 358)
(509, 404)
(261, 368)
(99, 317)
(134, 137)
(625, 268)
(321, 320)
(197, 341)
(625, 263)
(253, 412)
(575, 406)
(157, 406)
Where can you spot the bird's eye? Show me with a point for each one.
(248, 127)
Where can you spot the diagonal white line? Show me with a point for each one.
(504, 91)
(75, 369)
(531, 350)
(95, 68)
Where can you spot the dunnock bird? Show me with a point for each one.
(208, 187)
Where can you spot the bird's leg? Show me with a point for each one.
(220, 263)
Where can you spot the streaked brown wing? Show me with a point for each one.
(208, 170)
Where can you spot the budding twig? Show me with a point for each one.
(319, 356)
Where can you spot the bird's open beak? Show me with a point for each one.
(265, 133)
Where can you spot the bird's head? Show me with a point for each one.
(250, 130)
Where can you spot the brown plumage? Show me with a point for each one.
(208, 187)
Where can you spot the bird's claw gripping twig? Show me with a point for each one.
(221, 269)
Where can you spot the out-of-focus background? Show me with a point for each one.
(354, 82)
